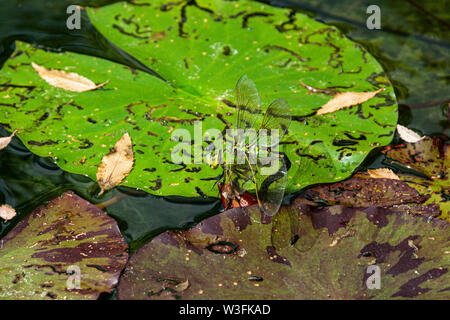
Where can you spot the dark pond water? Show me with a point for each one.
(412, 46)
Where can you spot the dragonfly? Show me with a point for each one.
(263, 168)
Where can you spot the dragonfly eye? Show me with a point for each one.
(212, 161)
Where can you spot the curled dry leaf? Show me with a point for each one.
(345, 100)
(182, 286)
(69, 81)
(116, 165)
(408, 135)
(6, 140)
(7, 212)
(383, 173)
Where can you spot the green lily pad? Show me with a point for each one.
(431, 158)
(325, 254)
(201, 48)
(42, 256)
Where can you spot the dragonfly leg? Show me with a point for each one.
(218, 178)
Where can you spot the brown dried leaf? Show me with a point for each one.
(383, 173)
(7, 212)
(69, 81)
(408, 135)
(4, 141)
(116, 165)
(182, 286)
(346, 99)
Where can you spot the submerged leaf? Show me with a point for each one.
(116, 165)
(362, 191)
(66, 249)
(69, 81)
(366, 190)
(346, 99)
(407, 134)
(4, 141)
(431, 158)
(7, 212)
(427, 156)
(236, 258)
(383, 173)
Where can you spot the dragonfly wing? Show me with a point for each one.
(295, 226)
(277, 117)
(248, 103)
(271, 189)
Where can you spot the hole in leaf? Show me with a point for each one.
(223, 247)
(256, 278)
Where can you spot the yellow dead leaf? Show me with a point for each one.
(116, 165)
(345, 100)
(408, 135)
(69, 81)
(182, 286)
(6, 140)
(7, 212)
(383, 173)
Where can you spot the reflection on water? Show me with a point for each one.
(412, 46)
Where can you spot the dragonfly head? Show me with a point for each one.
(212, 160)
(211, 157)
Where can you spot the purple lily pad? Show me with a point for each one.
(66, 249)
(303, 252)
